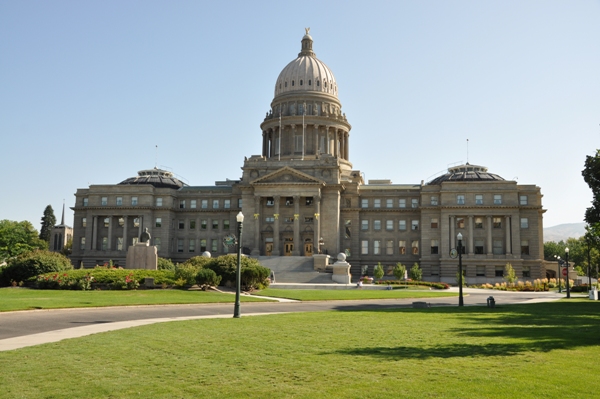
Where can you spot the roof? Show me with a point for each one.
(155, 177)
(466, 173)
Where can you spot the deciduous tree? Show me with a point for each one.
(17, 238)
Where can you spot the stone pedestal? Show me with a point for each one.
(341, 270)
(141, 256)
(321, 262)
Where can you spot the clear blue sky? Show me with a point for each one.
(89, 88)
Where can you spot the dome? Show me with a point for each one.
(306, 73)
(155, 177)
(465, 173)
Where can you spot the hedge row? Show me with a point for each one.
(440, 286)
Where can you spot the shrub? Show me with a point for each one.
(441, 286)
(186, 273)
(103, 276)
(226, 267)
(34, 263)
(255, 277)
(207, 277)
(64, 281)
(509, 274)
(165, 264)
(416, 273)
(129, 282)
(197, 261)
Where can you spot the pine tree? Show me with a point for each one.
(48, 222)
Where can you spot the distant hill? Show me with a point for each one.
(564, 231)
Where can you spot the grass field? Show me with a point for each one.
(23, 298)
(330, 295)
(547, 350)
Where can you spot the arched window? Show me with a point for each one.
(292, 82)
(318, 83)
(285, 84)
(309, 82)
(301, 82)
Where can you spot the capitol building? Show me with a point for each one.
(302, 195)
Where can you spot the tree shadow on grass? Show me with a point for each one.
(531, 328)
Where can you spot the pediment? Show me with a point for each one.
(287, 175)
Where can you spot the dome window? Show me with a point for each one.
(318, 83)
(301, 82)
(325, 84)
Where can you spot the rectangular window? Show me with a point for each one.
(83, 222)
(159, 202)
(364, 247)
(524, 247)
(214, 245)
(389, 247)
(202, 245)
(376, 247)
(414, 203)
(104, 201)
(134, 201)
(478, 199)
(119, 201)
(479, 223)
(180, 245)
(348, 226)
(526, 271)
(480, 271)
(524, 223)
(460, 223)
(376, 203)
(157, 243)
(523, 200)
(181, 224)
(192, 245)
(376, 224)
(204, 204)
(192, 224)
(158, 222)
(225, 224)
(193, 204)
(106, 222)
(415, 247)
(460, 199)
(289, 201)
(82, 243)
(203, 224)
(308, 219)
(85, 202)
(270, 201)
(498, 248)
(136, 222)
(414, 225)
(269, 219)
(499, 271)
(401, 224)
(364, 225)
(435, 245)
(389, 225)
(288, 219)
(215, 204)
(298, 144)
(497, 223)
(119, 243)
(240, 203)
(308, 201)
(434, 223)
(402, 247)
(497, 199)
(402, 203)
(434, 200)
(389, 203)
(104, 243)
(215, 224)
(227, 204)
(478, 247)
(364, 203)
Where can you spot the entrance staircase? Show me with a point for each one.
(294, 269)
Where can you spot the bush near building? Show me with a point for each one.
(33, 263)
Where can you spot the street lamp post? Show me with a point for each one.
(238, 285)
(559, 272)
(460, 272)
(567, 278)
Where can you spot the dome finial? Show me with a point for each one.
(307, 45)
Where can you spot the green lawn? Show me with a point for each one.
(23, 298)
(329, 295)
(547, 350)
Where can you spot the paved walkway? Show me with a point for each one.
(17, 328)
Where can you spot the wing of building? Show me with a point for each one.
(302, 195)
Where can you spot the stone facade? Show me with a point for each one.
(301, 195)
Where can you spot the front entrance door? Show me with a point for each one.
(288, 248)
(308, 249)
(268, 248)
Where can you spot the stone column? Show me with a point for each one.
(347, 147)
(489, 249)
(507, 230)
(125, 242)
(452, 232)
(297, 244)
(94, 232)
(471, 248)
(327, 139)
(110, 229)
(276, 251)
(316, 140)
(264, 146)
(317, 223)
(257, 218)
